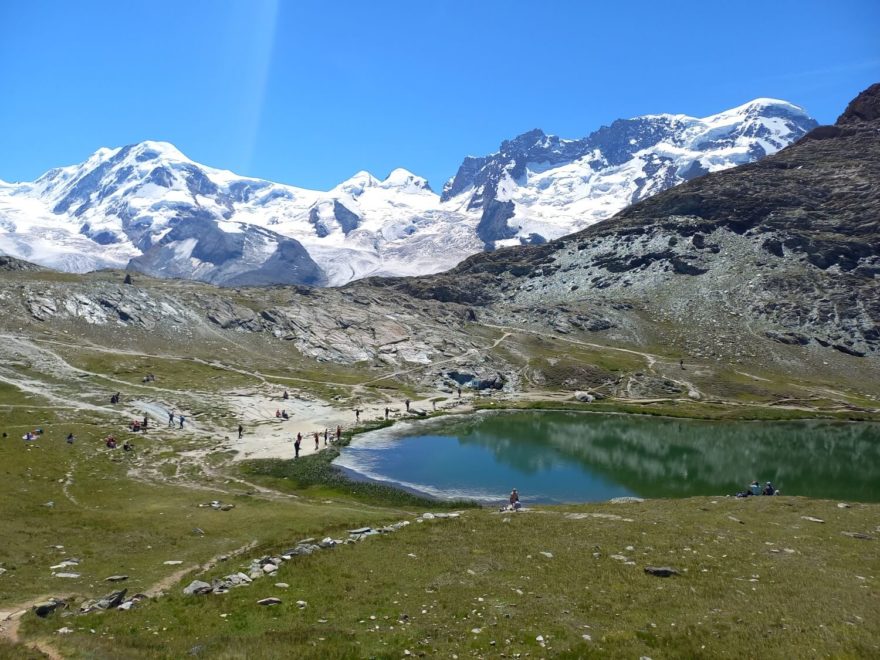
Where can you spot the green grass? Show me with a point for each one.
(772, 585)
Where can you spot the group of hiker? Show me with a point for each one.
(755, 488)
(297, 443)
(110, 443)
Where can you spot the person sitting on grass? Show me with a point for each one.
(110, 442)
(769, 489)
(514, 500)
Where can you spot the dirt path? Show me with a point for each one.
(10, 624)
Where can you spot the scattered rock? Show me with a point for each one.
(269, 601)
(858, 535)
(197, 587)
(812, 519)
(116, 578)
(301, 604)
(172, 562)
(843, 505)
(661, 571)
(282, 585)
(71, 576)
(626, 500)
(548, 555)
(46, 608)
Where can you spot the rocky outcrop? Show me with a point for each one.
(786, 248)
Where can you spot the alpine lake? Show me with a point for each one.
(557, 457)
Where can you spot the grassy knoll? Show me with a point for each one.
(756, 579)
(124, 513)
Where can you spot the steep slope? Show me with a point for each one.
(785, 250)
(539, 187)
(150, 206)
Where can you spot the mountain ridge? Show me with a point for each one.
(143, 205)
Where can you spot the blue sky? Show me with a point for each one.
(308, 93)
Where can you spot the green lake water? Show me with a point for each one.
(581, 457)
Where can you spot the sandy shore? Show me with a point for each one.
(266, 436)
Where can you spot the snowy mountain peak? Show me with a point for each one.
(156, 150)
(357, 184)
(405, 180)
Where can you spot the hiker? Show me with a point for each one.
(755, 488)
(434, 403)
(144, 424)
(110, 442)
(316, 441)
(277, 414)
(127, 446)
(240, 431)
(70, 438)
(338, 433)
(285, 396)
(514, 500)
(357, 414)
(769, 489)
(181, 421)
(681, 364)
(326, 435)
(284, 414)
(387, 410)
(296, 444)
(459, 392)
(171, 419)
(135, 426)
(407, 402)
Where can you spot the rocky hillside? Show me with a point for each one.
(786, 249)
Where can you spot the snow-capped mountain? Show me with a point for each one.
(151, 209)
(539, 187)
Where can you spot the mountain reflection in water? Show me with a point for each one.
(554, 456)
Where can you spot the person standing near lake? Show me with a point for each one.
(171, 418)
(296, 444)
(316, 441)
(240, 431)
(407, 402)
(338, 433)
(326, 436)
